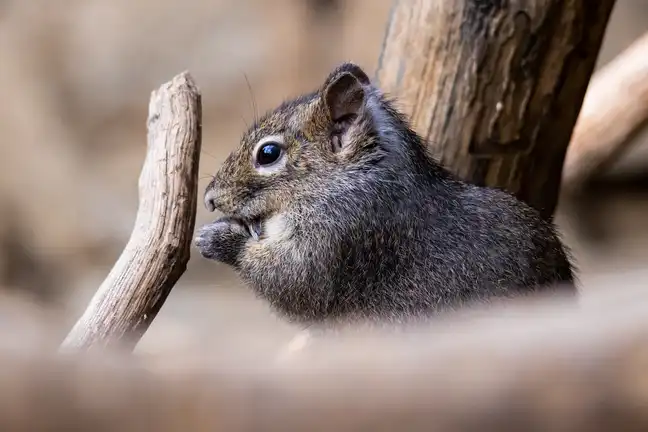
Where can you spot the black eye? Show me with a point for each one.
(268, 153)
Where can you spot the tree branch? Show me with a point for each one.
(578, 368)
(495, 86)
(159, 247)
(615, 109)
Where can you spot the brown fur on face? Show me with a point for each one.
(305, 125)
(240, 190)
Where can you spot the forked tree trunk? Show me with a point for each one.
(496, 86)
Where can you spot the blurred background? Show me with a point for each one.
(75, 80)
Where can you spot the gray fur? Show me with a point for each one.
(377, 230)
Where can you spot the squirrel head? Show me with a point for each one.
(298, 150)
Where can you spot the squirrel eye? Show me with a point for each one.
(268, 153)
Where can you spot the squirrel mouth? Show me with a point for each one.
(253, 226)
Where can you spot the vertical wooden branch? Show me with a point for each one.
(496, 86)
(158, 251)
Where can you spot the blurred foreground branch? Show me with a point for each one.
(615, 109)
(158, 250)
(544, 367)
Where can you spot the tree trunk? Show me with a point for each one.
(495, 86)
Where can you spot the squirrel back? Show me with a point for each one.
(334, 210)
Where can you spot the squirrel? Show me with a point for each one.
(334, 210)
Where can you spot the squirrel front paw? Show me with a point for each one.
(222, 240)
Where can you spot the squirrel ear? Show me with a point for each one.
(343, 92)
(350, 68)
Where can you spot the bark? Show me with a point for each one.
(495, 86)
(159, 247)
(614, 111)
